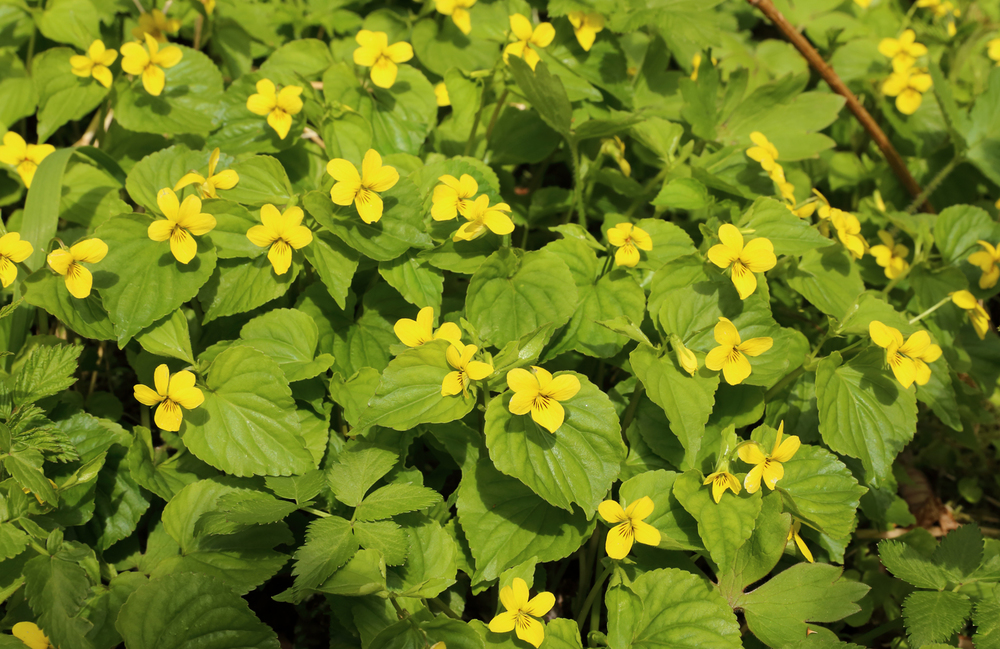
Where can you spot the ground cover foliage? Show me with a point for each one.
(495, 324)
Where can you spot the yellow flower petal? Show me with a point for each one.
(540, 604)
(646, 533)
(31, 635)
(384, 72)
(752, 480)
(611, 512)
(153, 80)
(168, 416)
(619, 541)
(531, 631)
(79, 281)
(452, 384)
(280, 256)
(640, 509)
(756, 346)
(503, 622)
(773, 471)
(182, 245)
(280, 121)
(369, 205)
(548, 413)
(736, 369)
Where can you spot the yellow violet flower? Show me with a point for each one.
(69, 264)
(95, 63)
(282, 232)
(907, 85)
(459, 12)
(849, 232)
(993, 50)
(520, 612)
(986, 259)
(528, 38)
(207, 186)
(136, 60)
(441, 95)
(907, 360)
(890, 255)
(362, 189)
(31, 635)
(172, 393)
(586, 27)
(731, 354)
(793, 535)
(686, 357)
(12, 251)
(24, 157)
(278, 106)
(824, 210)
(903, 51)
(614, 148)
(538, 393)
(183, 220)
(376, 53)
(414, 333)
(977, 314)
(466, 370)
(763, 152)
(720, 481)
(696, 65)
(453, 196)
(767, 467)
(628, 526)
(629, 240)
(481, 216)
(157, 25)
(863, 3)
(755, 257)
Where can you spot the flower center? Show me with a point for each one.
(542, 402)
(734, 356)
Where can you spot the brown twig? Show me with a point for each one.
(826, 71)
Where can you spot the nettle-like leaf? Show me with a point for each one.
(780, 611)
(409, 392)
(247, 425)
(514, 293)
(576, 464)
(863, 411)
(675, 608)
(506, 523)
(723, 526)
(206, 610)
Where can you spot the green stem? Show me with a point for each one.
(908, 17)
(496, 114)
(931, 310)
(783, 383)
(444, 608)
(933, 184)
(591, 596)
(317, 512)
(399, 609)
(577, 201)
(587, 555)
(633, 406)
(31, 48)
(863, 640)
(475, 120)
(899, 278)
